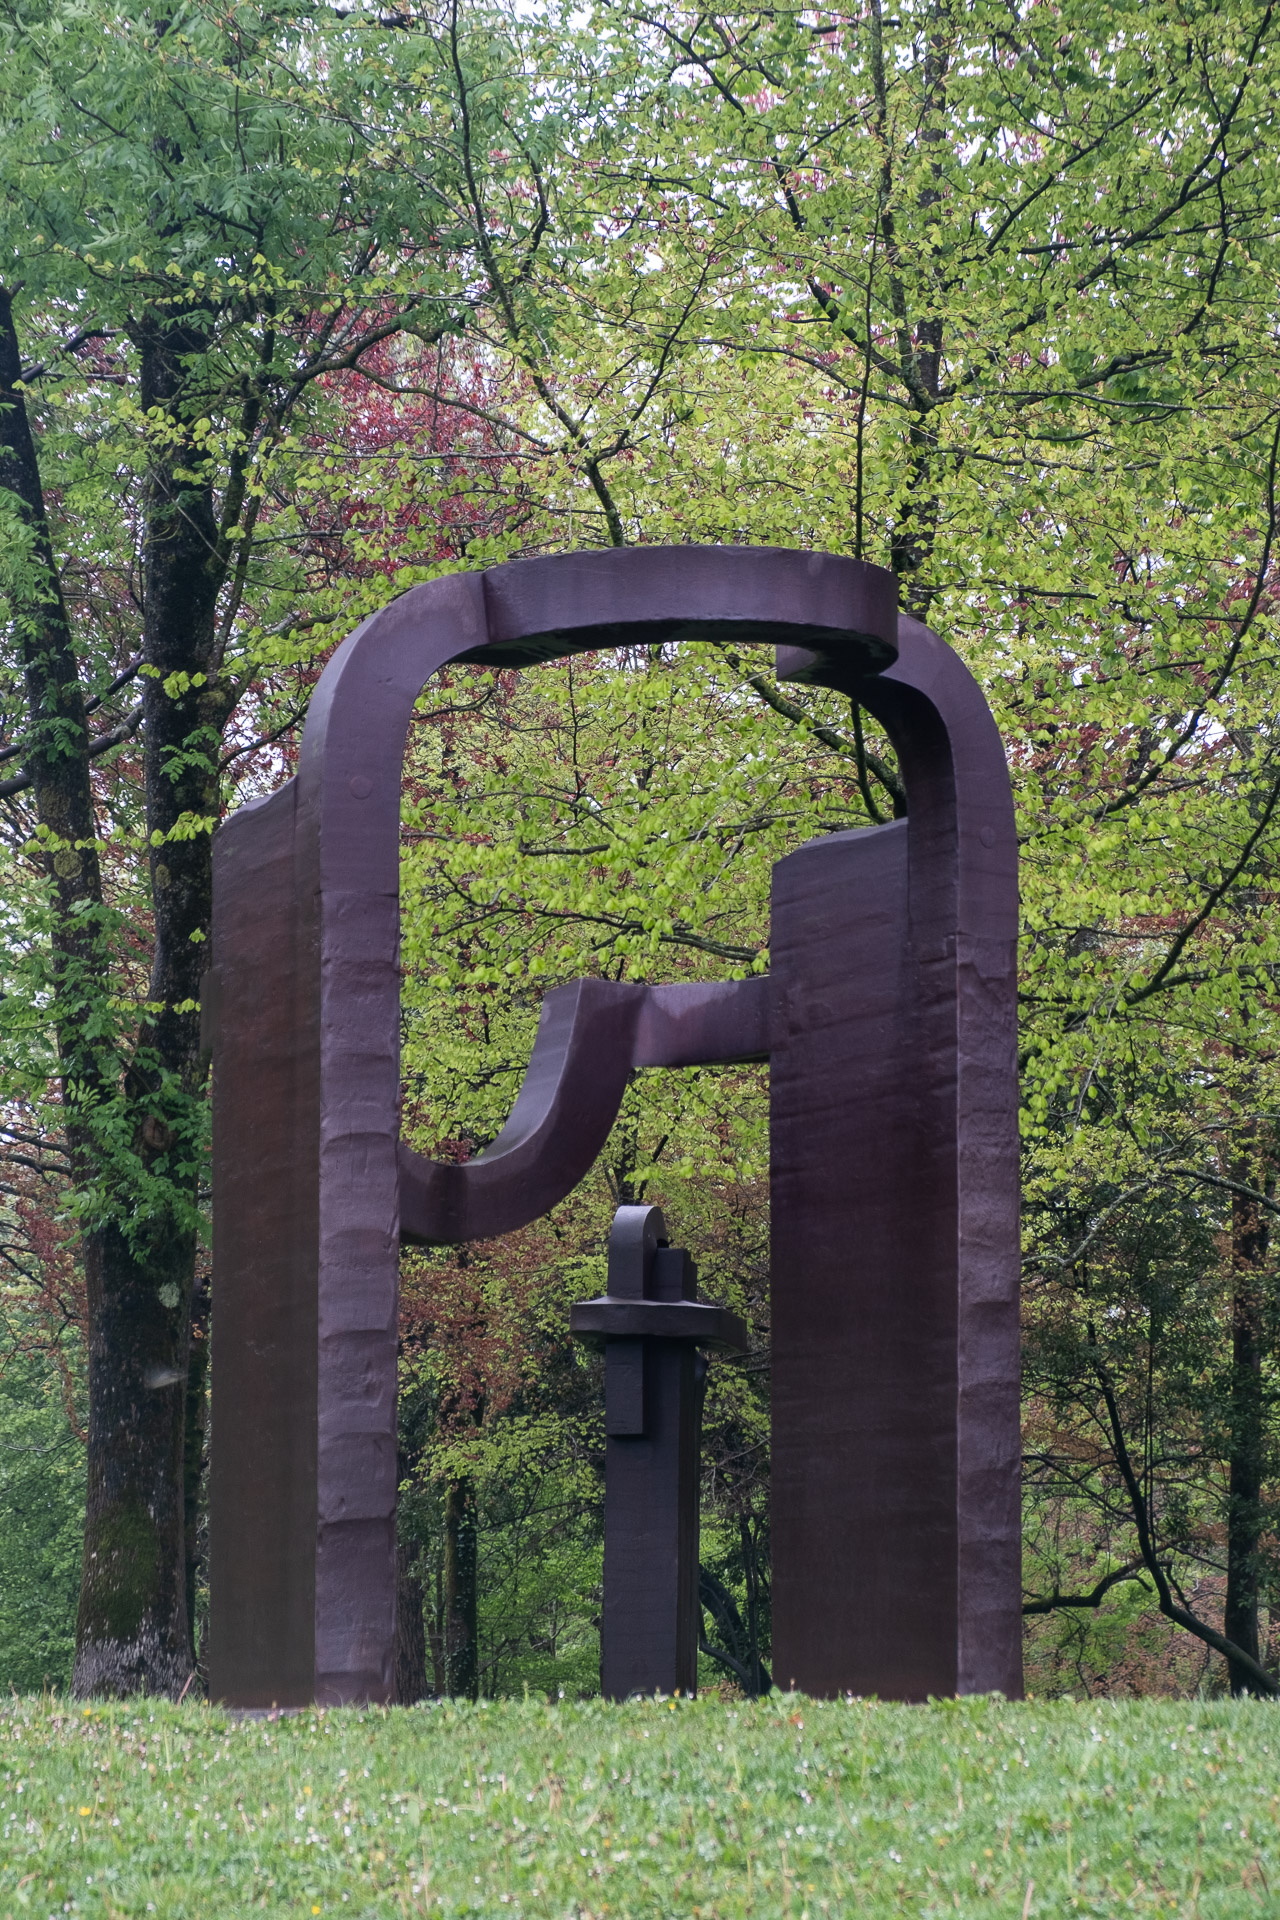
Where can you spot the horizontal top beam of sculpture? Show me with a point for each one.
(837, 618)
(842, 612)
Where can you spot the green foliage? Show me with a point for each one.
(665, 1807)
(199, 243)
(540, 1554)
(616, 817)
(600, 816)
(207, 190)
(42, 1471)
(980, 294)
(984, 297)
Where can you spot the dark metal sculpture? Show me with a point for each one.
(888, 1020)
(652, 1324)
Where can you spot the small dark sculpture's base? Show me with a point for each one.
(653, 1432)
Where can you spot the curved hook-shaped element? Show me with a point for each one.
(569, 1100)
(590, 1037)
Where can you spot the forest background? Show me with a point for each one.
(299, 307)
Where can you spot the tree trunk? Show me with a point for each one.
(411, 1635)
(461, 1654)
(134, 1627)
(133, 1633)
(435, 1634)
(56, 760)
(750, 1569)
(1245, 1466)
(918, 334)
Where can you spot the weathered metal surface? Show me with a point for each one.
(539, 609)
(698, 1320)
(262, 1496)
(306, 897)
(896, 1454)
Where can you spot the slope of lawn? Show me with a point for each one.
(784, 1808)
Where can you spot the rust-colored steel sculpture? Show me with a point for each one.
(888, 1020)
(652, 1324)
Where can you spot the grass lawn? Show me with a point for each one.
(788, 1807)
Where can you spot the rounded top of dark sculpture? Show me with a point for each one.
(569, 603)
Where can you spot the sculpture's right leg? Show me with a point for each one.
(896, 1446)
(262, 1483)
(864, 1287)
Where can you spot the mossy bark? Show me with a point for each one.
(135, 1623)
(132, 1107)
(194, 1457)
(133, 1633)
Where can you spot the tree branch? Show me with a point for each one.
(862, 757)
(102, 744)
(1169, 1607)
(1094, 1598)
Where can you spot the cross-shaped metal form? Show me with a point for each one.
(652, 1324)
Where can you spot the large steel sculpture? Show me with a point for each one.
(888, 1022)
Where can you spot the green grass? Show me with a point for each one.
(788, 1807)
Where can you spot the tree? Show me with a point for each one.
(981, 294)
(192, 245)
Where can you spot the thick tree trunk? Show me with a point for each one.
(133, 1632)
(461, 1653)
(1246, 1465)
(134, 1628)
